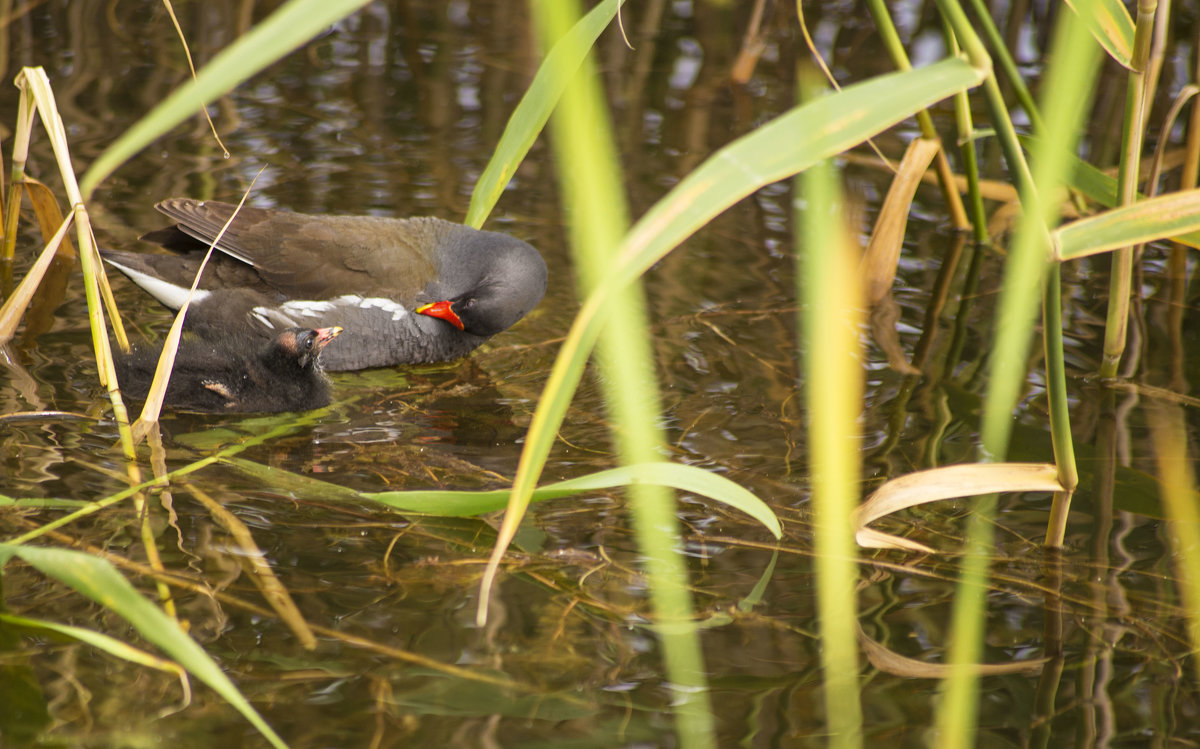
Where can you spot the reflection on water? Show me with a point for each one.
(393, 112)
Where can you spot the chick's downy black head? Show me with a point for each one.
(298, 348)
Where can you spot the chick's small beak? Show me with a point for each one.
(441, 310)
(325, 335)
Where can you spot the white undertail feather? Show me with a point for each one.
(168, 293)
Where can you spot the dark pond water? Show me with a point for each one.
(393, 112)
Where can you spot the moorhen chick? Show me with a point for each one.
(406, 290)
(237, 373)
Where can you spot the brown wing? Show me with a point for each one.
(315, 257)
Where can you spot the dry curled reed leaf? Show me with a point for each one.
(887, 238)
(949, 482)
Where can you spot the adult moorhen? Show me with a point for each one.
(406, 290)
(237, 373)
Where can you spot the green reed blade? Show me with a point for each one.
(99, 640)
(1110, 25)
(674, 475)
(97, 579)
(1173, 215)
(530, 116)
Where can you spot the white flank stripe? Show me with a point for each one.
(272, 316)
(318, 308)
(306, 307)
(387, 305)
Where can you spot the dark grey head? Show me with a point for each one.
(492, 281)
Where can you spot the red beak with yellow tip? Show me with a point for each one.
(441, 310)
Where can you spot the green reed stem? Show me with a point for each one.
(1005, 62)
(590, 181)
(833, 385)
(967, 38)
(966, 142)
(1060, 417)
(1068, 86)
(1121, 281)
